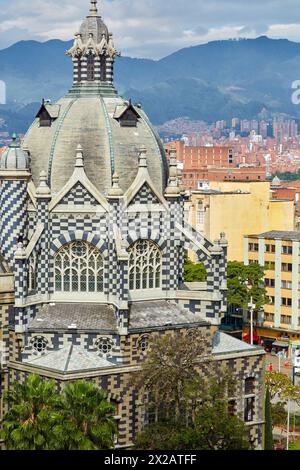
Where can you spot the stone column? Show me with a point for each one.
(43, 197)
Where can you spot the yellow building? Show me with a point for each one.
(279, 252)
(238, 208)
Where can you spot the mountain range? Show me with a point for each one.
(217, 80)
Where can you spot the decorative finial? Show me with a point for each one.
(180, 182)
(43, 189)
(14, 141)
(79, 157)
(172, 189)
(93, 9)
(115, 190)
(20, 252)
(143, 157)
(173, 163)
(223, 242)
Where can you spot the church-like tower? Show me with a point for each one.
(96, 241)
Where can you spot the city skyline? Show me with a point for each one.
(147, 28)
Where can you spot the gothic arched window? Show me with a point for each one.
(145, 265)
(78, 267)
(31, 279)
(90, 67)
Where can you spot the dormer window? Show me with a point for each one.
(127, 115)
(48, 113)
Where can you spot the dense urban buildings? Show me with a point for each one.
(250, 150)
(93, 240)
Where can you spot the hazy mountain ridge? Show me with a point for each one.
(212, 81)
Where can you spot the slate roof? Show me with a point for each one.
(107, 146)
(53, 110)
(160, 314)
(285, 235)
(69, 359)
(14, 158)
(61, 316)
(120, 110)
(223, 343)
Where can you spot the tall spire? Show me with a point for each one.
(93, 9)
(93, 53)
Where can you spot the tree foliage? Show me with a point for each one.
(39, 418)
(194, 272)
(188, 394)
(287, 176)
(279, 415)
(280, 385)
(244, 282)
(213, 429)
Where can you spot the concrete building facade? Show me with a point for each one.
(279, 253)
(238, 208)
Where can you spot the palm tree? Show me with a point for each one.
(39, 418)
(87, 411)
(32, 417)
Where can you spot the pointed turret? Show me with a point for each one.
(93, 51)
(115, 190)
(14, 177)
(172, 190)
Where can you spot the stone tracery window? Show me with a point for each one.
(143, 343)
(145, 265)
(31, 279)
(104, 345)
(39, 343)
(78, 267)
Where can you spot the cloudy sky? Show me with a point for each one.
(152, 28)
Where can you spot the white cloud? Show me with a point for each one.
(291, 31)
(152, 28)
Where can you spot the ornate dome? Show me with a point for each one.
(14, 158)
(110, 129)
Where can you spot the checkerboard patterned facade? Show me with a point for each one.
(13, 216)
(79, 196)
(111, 230)
(145, 196)
(128, 400)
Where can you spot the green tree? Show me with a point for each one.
(32, 419)
(281, 385)
(244, 282)
(171, 367)
(39, 418)
(278, 414)
(287, 176)
(269, 440)
(210, 426)
(194, 272)
(89, 417)
(188, 395)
